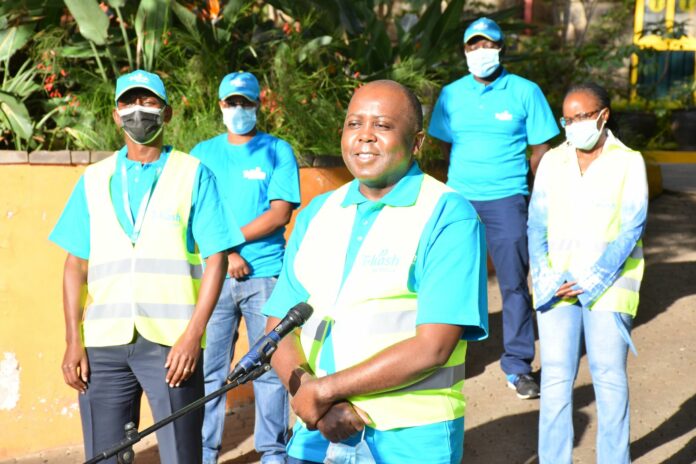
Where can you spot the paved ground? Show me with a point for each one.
(502, 429)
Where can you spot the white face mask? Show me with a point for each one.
(338, 453)
(239, 120)
(483, 62)
(584, 135)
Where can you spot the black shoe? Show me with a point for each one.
(525, 386)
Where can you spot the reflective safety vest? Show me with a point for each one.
(150, 286)
(580, 231)
(375, 308)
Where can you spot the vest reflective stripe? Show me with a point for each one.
(151, 310)
(627, 283)
(570, 246)
(443, 377)
(150, 286)
(374, 308)
(576, 244)
(151, 266)
(426, 401)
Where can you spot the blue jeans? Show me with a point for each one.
(243, 298)
(506, 237)
(560, 334)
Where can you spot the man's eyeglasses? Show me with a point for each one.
(577, 118)
(233, 101)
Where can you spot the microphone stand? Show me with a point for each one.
(124, 450)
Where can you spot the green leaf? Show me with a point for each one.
(150, 23)
(93, 22)
(232, 8)
(313, 46)
(14, 38)
(117, 3)
(16, 115)
(187, 18)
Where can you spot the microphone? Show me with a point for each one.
(262, 350)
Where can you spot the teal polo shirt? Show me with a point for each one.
(490, 127)
(449, 275)
(250, 176)
(207, 227)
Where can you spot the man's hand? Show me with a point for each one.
(340, 422)
(76, 367)
(237, 267)
(566, 290)
(309, 403)
(182, 359)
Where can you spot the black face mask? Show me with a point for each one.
(141, 124)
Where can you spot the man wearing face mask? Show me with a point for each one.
(485, 121)
(135, 229)
(258, 179)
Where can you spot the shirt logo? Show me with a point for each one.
(254, 174)
(504, 116)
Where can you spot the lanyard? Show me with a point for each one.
(138, 224)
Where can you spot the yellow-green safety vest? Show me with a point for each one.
(579, 233)
(375, 308)
(150, 286)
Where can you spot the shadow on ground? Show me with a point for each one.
(514, 438)
(679, 424)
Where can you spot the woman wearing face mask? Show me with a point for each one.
(586, 218)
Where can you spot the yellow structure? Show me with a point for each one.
(663, 25)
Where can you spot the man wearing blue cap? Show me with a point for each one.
(136, 228)
(485, 121)
(258, 180)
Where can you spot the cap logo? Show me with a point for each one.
(143, 79)
(238, 82)
(480, 26)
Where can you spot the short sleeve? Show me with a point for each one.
(540, 123)
(72, 232)
(285, 182)
(439, 120)
(452, 282)
(212, 229)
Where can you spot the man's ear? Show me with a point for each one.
(117, 118)
(167, 114)
(418, 141)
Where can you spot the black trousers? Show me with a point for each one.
(118, 377)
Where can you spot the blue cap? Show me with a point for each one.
(141, 80)
(239, 83)
(484, 27)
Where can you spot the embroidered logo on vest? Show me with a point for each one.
(383, 261)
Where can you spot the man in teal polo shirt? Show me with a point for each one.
(440, 276)
(112, 377)
(485, 121)
(258, 180)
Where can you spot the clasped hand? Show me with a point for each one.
(336, 420)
